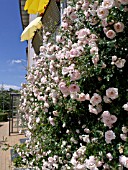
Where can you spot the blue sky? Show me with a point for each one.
(12, 51)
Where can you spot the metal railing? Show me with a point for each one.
(13, 113)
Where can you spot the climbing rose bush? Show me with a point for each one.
(75, 104)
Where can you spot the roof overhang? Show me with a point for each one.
(24, 14)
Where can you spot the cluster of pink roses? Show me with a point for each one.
(95, 101)
(102, 11)
(80, 163)
(60, 73)
(118, 61)
(108, 119)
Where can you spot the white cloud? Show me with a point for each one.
(7, 87)
(16, 61)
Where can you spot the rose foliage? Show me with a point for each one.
(75, 102)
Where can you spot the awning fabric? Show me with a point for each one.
(30, 30)
(36, 6)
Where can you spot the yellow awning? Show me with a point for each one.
(36, 6)
(30, 30)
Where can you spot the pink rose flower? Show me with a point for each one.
(112, 93)
(109, 156)
(55, 113)
(73, 95)
(108, 119)
(92, 110)
(80, 167)
(102, 12)
(62, 85)
(95, 59)
(104, 23)
(104, 65)
(63, 88)
(114, 58)
(96, 99)
(73, 16)
(37, 120)
(51, 120)
(40, 98)
(81, 97)
(107, 122)
(42, 49)
(110, 34)
(65, 25)
(60, 56)
(59, 39)
(85, 5)
(123, 137)
(124, 129)
(125, 106)
(87, 96)
(93, 37)
(119, 27)
(67, 54)
(74, 88)
(120, 63)
(86, 130)
(106, 166)
(74, 53)
(99, 163)
(75, 75)
(78, 6)
(80, 49)
(93, 20)
(99, 108)
(106, 99)
(113, 118)
(43, 80)
(108, 4)
(46, 104)
(82, 34)
(91, 163)
(65, 70)
(69, 10)
(94, 50)
(56, 79)
(109, 135)
(50, 159)
(123, 161)
(71, 67)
